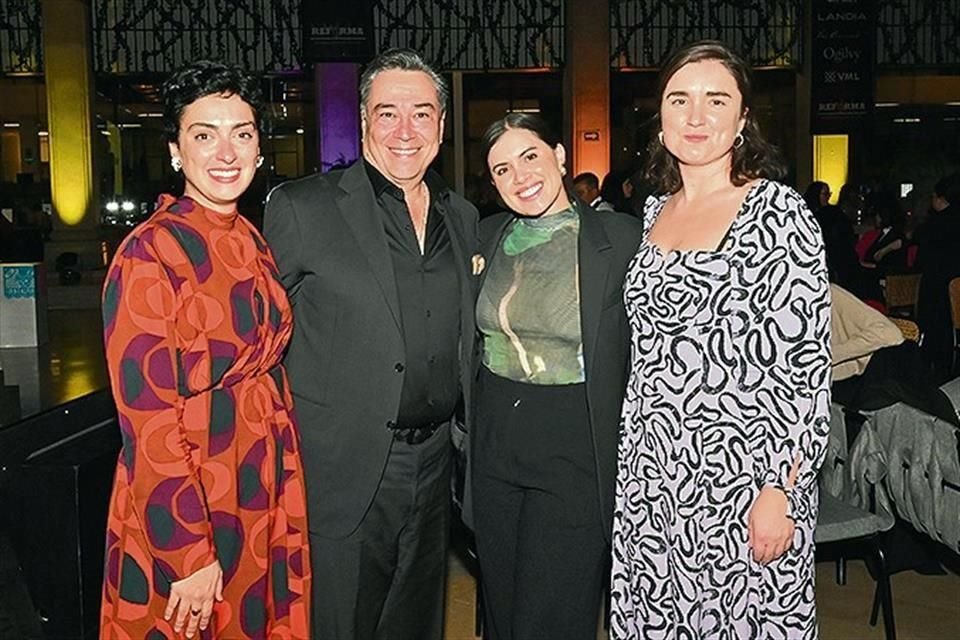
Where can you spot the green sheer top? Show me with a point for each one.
(529, 307)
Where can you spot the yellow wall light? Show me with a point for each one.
(831, 161)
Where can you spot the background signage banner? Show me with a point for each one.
(337, 30)
(842, 65)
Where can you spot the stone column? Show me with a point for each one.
(586, 84)
(68, 71)
(805, 142)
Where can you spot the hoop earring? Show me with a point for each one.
(738, 141)
(259, 162)
(176, 164)
(660, 138)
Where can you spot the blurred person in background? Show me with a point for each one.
(619, 188)
(587, 187)
(938, 256)
(840, 242)
(817, 195)
(887, 251)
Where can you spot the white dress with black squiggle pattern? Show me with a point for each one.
(729, 385)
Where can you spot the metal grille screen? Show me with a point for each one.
(919, 33)
(765, 32)
(20, 42)
(135, 36)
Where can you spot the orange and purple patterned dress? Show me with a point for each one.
(195, 324)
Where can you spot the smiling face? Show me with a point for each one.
(218, 145)
(701, 113)
(528, 173)
(402, 125)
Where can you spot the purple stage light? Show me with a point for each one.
(338, 113)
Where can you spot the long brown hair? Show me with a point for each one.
(755, 158)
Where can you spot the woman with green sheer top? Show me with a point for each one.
(554, 340)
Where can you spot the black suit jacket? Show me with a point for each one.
(345, 360)
(606, 244)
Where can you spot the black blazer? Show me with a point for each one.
(606, 244)
(345, 360)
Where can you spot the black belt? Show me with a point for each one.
(416, 435)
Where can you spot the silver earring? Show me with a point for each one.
(259, 161)
(738, 141)
(660, 138)
(177, 164)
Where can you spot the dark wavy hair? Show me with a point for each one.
(535, 125)
(517, 120)
(206, 78)
(812, 195)
(755, 158)
(403, 60)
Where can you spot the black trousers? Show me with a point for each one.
(540, 546)
(386, 580)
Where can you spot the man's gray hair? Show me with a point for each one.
(404, 60)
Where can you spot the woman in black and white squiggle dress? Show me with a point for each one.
(726, 413)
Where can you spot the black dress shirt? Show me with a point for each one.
(429, 295)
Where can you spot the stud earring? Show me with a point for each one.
(259, 161)
(177, 164)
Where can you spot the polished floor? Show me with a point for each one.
(70, 365)
(927, 607)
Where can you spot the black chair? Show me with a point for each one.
(478, 603)
(56, 473)
(839, 522)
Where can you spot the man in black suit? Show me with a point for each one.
(378, 262)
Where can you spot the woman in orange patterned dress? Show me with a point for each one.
(207, 530)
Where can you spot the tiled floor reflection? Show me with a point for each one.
(70, 365)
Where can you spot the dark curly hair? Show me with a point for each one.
(755, 158)
(206, 78)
